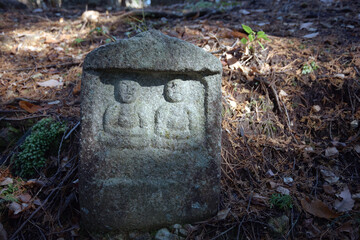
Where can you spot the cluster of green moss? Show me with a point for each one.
(32, 155)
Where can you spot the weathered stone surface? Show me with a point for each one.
(150, 138)
(11, 4)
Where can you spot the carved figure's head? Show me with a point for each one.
(174, 90)
(128, 91)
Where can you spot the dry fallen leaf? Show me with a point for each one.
(346, 227)
(328, 189)
(50, 83)
(6, 181)
(259, 200)
(77, 88)
(29, 107)
(311, 35)
(318, 209)
(223, 214)
(25, 197)
(49, 39)
(230, 59)
(15, 208)
(306, 25)
(347, 203)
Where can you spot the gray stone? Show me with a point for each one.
(164, 234)
(150, 138)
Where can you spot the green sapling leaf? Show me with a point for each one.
(247, 29)
(251, 37)
(244, 41)
(260, 33)
(260, 45)
(264, 37)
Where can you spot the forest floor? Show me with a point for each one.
(291, 111)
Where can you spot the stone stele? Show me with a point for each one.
(151, 134)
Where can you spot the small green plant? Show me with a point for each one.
(202, 5)
(8, 193)
(32, 155)
(137, 25)
(253, 37)
(103, 31)
(98, 30)
(306, 69)
(281, 201)
(77, 41)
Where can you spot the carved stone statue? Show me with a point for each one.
(150, 135)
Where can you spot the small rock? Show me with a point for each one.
(183, 232)
(354, 124)
(331, 152)
(309, 149)
(164, 234)
(176, 226)
(282, 93)
(329, 176)
(316, 108)
(288, 180)
(283, 190)
(271, 185)
(357, 148)
(179, 230)
(270, 173)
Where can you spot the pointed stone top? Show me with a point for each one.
(153, 51)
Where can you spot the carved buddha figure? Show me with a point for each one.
(174, 119)
(124, 118)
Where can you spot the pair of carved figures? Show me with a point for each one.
(128, 119)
